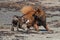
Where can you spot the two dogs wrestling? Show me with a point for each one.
(36, 19)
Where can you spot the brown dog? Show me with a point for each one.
(40, 19)
(37, 18)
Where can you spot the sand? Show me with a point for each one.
(53, 21)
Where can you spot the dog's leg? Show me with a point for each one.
(17, 26)
(36, 27)
(12, 28)
(46, 27)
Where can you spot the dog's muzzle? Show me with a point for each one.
(24, 26)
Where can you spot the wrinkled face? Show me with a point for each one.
(23, 23)
(21, 20)
(24, 26)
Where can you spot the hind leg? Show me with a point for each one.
(46, 27)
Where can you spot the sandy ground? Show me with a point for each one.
(7, 34)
